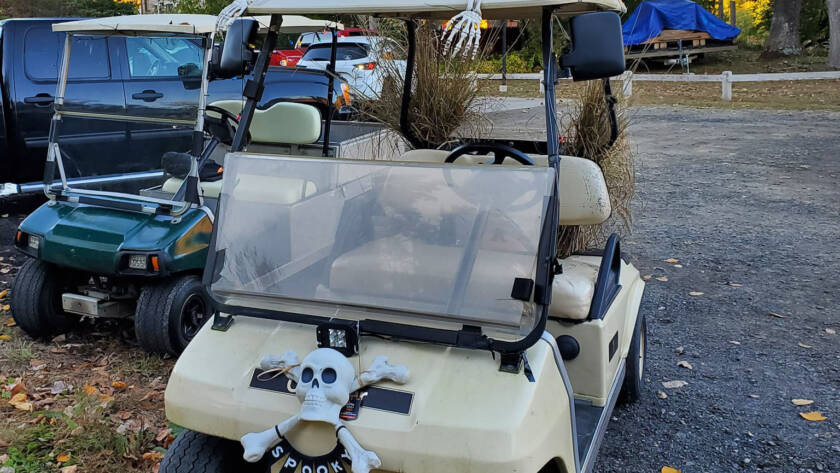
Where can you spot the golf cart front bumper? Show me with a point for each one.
(463, 414)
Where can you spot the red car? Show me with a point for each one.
(290, 57)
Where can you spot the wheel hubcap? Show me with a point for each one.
(193, 315)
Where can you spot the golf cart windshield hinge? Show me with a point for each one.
(221, 322)
(470, 336)
(511, 362)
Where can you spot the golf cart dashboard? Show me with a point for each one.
(440, 252)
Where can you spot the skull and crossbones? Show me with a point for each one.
(324, 380)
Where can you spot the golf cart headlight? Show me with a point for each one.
(339, 335)
(34, 242)
(138, 262)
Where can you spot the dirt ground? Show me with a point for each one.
(746, 201)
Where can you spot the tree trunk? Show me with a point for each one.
(834, 33)
(784, 29)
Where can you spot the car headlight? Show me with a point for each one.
(140, 262)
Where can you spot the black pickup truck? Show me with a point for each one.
(113, 75)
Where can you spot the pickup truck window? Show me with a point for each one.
(43, 47)
(344, 52)
(161, 57)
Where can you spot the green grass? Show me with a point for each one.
(17, 351)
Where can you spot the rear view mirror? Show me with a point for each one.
(237, 56)
(597, 47)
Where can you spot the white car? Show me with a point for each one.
(363, 62)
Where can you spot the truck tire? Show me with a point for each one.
(169, 314)
(36, 300)
(631, 389)
(192, 452)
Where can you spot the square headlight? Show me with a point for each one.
(339, 335)
(34, 242)
(138, 262)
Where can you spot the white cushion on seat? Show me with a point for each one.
(572, 291)
(208, 189)
(283, 122)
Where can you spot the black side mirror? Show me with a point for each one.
(597, 47)
(236, 56)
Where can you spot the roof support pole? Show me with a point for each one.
(53, 150)
(254, 86)
(549, 78)
(330, 85)
(411, 29)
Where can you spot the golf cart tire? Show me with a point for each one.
(193, 452)
(157, 319)
(36, 300)
(631, 389)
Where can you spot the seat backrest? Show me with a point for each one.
(583, 195)
(282, 123)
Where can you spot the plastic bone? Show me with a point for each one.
(380, 369)
(256, 444)
(466, 26)
(288, 362)
(362, 460)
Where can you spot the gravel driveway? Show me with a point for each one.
(749, 198)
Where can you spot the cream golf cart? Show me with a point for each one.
(410, 314)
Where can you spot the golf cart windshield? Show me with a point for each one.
(381, 240)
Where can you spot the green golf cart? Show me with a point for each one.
(97, 253)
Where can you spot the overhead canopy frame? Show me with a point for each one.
(180, 24)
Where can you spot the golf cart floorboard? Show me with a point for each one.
(586, 418)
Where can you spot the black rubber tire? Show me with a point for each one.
(160, 315)
(631, 389)
(36, 300)
(192, 452)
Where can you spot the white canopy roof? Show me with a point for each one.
(491, 9)
(179, 23)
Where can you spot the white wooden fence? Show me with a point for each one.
(726, 78)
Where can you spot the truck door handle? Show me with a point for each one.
(40, 100)
(147, 96)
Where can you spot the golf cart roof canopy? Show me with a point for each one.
(490, 9)
(180, 24)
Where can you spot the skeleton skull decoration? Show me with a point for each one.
(324, 380)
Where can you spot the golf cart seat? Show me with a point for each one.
(583, 200)
(282, 123)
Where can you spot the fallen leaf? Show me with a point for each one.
(733, 284)
(674, 384)
(18, 401)
(803, 345)
(90, 390)
(754, 396)
(815, 416)
(665, 469)
(662, 278)
(163, 434)
(685, 364)
(801, 402)
(773, 314)
(672, 260)
(153, 456)
(10, 322)
(678, 266)
(4, 271)
(7, 306)
(119, 385)
(5, 337)
(106, 398)
(18, 387)
(680, 350)
(695, 293)
(59, 387)
(734, 342)
(62, 457)
(69, 469)
(647, 276)
(661, 395)
(831, 331)
(3, 293)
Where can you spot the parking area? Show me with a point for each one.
(736, 227)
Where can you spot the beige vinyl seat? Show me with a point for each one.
(584, 200)
(282, 123)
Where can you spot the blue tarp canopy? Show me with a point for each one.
(653, 16)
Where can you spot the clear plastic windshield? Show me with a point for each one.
(354, 237)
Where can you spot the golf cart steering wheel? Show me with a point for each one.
(229, 120)
(500, 152)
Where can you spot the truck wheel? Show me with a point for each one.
(36, 300)
(169, 314)
(631, 390)
(193, 452)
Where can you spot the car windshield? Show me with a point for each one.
(344, 52)
(380, 240)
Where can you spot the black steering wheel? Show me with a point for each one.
(223, 128)
(500, 152)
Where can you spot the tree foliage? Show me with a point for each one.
(58, 8)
